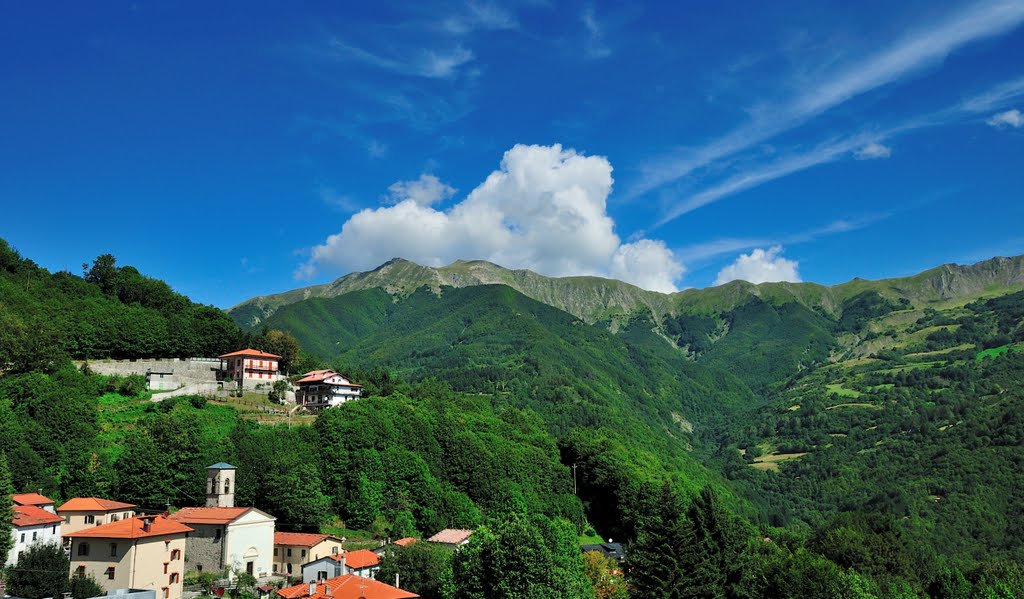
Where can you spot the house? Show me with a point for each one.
(345, 587)
(452, 538)
(292, 549)
(405, 542)
(142, 552)
(250, 367)
(361, 562)
(227, 538)
(34, 499)
(32, 524)
(80, 513)
(322, 389)
(613, 550)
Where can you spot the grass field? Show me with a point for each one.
(772, 461)
(841, 391)
(998, 351)
(870, 406)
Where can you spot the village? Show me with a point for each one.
(206, 550)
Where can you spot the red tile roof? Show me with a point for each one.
(347, 587)
(209, 515)
(405, 542)
(133, 528)
(250, 352)
(360, 558)
(319, 376)
(93, 504)
(30, 515)
(451, 536)
(300, 539)
(31, 499)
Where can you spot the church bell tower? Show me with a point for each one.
(220, 485)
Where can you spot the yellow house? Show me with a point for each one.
(145, 552)
(81, 513)
(292, 549)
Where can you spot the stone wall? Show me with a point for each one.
(205, 549)
(186, 370)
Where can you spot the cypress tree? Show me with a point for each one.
(6, 508)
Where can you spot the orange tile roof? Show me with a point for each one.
(360, 558)
(209, 515)
(302, 539)
(31, 499)
(405, 542)
(93, 504)
(347, 587)
(250, 352)
(30, 515)
(315, 376)
(451, 536)
(133, 528)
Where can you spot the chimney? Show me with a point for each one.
(327, 589)
(397, 582)
(312, 589)
(147, 523)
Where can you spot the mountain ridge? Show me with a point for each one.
(594, 299)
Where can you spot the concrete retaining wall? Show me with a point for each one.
(186, 370)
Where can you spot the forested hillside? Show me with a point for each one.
(753, 441)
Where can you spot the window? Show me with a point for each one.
(165, 567)
(167, 592)
(83, 549)
(303, 554)
(110, 573)
(175, 554)
(216, 534)
(35, 534)
(53, 530)
(174, 577)
(289, 552)
(67, 519)
(289, 568)
(227, 485)
(90, 519)
(114, 518)
(275, 568)
(275, 551)
(22, 537)
(113, 550)
(334, 551)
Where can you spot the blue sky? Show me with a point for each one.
(236, 149)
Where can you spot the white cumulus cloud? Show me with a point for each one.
(425, 191)
(544, 209)
(872, 151)
(647, 263)
(760, 266)
(1010, 118)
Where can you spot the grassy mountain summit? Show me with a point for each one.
(594, 299)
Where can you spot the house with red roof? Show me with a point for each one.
(321, 389)
(452, 538)
(32, 524)
(250, 367)
(292, 549)
(361, 562)
(345, 587)
(80, 513)
(34, 499)
(142, 552)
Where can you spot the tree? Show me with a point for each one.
(278, 391)
(280, 343)
(103, 272)
(421, 568)
(521, 556)
(41, 571)
(6, 509)
(83, 587)
(605, 576)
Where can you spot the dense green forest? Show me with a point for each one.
(766, 447)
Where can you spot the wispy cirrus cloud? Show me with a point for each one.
(1010, 118)
(917, 50)
(594, 46)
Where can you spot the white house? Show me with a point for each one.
(362, 562)
(224, 537)
(32, 524)
(322, 389)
